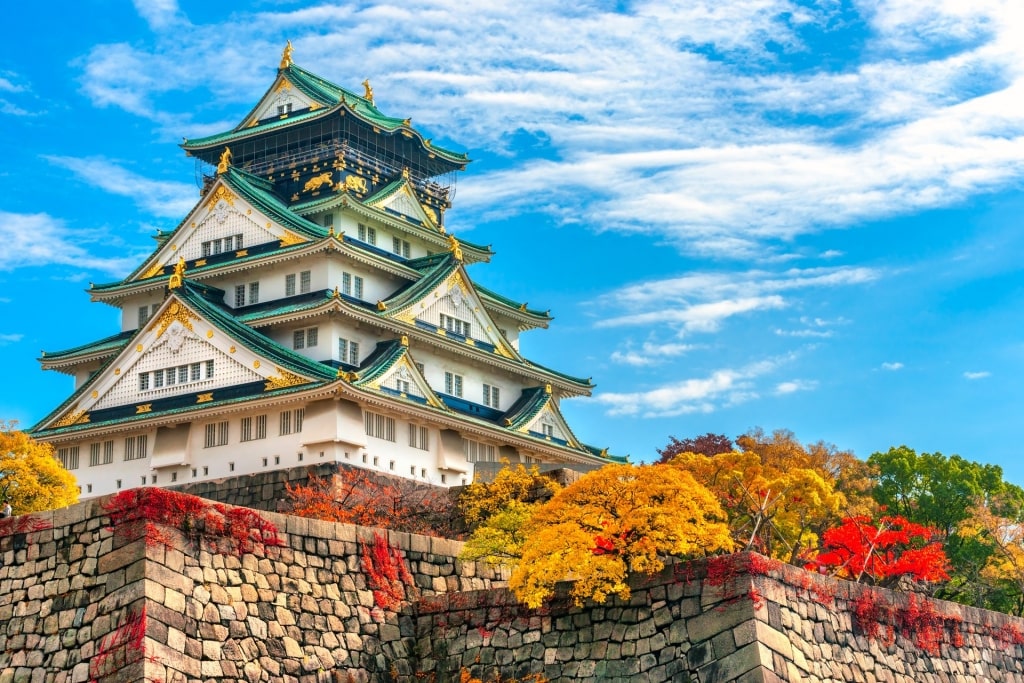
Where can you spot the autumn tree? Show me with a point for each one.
(613, 521)
(883, 552)
(498, 510)
(943, 491)
(776, 508)
(30, 477)
(707, 444)
(998, 524)
(357, 496)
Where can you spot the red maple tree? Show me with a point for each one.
(882, 553)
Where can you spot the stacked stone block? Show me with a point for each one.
(81, 602)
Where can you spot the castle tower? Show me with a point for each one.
(311, 308)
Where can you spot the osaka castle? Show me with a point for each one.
(311, 308)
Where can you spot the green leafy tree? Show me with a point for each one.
(943, 492)
(31, 479)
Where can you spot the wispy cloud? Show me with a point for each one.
(720, 388)
(659, 116)
(10, 338)
(892, 366)
(650, 353)
(160, 197)
(795, 385)
(42, 240)
(977, 375)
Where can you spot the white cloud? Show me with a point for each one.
(41, 240)
(892, 366)
(661, 118)
(160, 197)
(10, 338)
(795, 385)
(159, 14)
(650, 353)
(977, 375)
(720, 388)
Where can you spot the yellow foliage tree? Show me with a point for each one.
(31, 479)
(613, 521)
(1005, 535)
(498, 511)
(777, 508)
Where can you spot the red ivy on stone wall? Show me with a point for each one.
(124, 646)
(140, 513)
(386, 572)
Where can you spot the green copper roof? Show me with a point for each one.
(111, 343)
(332, 98)
(380, 361)
(529, 404)
(520, 308)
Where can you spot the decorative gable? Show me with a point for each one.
(179, 355)
(453, 308)
(403, 379)
(550, 425)
(402, 199)
(280, 101)
(222, 222)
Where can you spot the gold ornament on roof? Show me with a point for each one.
(225, 161)
(353, 182)
(405, 340)
(174, 312)
(286, 56)
(283, 379)
(157, 269)
(455, 248)
(73, 418)
(289, 238)
(178, 277)
(316, 182)
(368, 95)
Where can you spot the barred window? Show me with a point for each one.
(216, 434)
(305, 281)
(452, 384)
(348, 351)
(291, 421)
(289, 285)
(379, 426)
(455, 325)
(135, 447)
(491, 396)
(419, 437)
(260, 431)
(479, 452)
(68, 457)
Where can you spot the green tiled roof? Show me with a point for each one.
(380, 361)
(518, 306)
(433, 275)
(332, 97)
(529, 404)
(111, 343)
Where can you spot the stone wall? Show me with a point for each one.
(80, 601)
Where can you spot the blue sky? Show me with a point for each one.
(764, 213)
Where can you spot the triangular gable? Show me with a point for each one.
(547, 422)
(454, 299)
(401, 198)
(396, 373)
(181, 340)
(281, 100)
(223, 221)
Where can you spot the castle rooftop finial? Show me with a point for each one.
(286, 56)
(178, 276)
(225, 161)
(368, 95)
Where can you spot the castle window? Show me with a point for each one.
(143, 315)
(402, 386)
(158, 379)
(348, 351)
(182, 374)
(400, 247)
(379, 426)
(491, 396)
(304, 339)
(305, 281)
(284, 109)
(367, 234)
(254, 294)
(549, 430)
(329, 220)
(291, 421)
(216, 434)
(143, 381)
(68, 457)
(135, 447)
(452, 384)
(289, 285)
(455, 325)
(352, 285)
(260, 432)
(419, 437)
(209, 369)
(479, 452)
